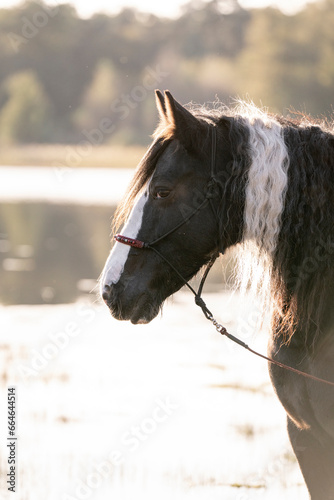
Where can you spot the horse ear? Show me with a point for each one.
(177, 115)
(186, 127)
(160, 102)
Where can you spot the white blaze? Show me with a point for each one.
(114, 266)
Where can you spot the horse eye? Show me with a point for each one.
(161, 193)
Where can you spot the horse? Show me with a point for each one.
(220, 177)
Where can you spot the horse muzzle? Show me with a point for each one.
(139, 308)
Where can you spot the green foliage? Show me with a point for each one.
(97, 98)
(25, 114)
(288, 60)
(82, 71)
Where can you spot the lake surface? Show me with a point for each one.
(55, 230)
(85, 186)
(55, 227)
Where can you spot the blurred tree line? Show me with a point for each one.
(66, 79)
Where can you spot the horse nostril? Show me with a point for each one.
(106, 293)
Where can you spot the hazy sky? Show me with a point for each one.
(168, 8)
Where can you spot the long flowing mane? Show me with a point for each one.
(285, 169)
(304, 258)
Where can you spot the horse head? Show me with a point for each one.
(171, 183)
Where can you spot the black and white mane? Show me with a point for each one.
(284, 170)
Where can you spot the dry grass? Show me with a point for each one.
(71, 155)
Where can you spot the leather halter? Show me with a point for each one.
(211, 193)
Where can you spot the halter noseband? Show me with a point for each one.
(129, 241)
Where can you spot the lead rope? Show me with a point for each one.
(213, 183)
(222, 330)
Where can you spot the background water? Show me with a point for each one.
(55, 231)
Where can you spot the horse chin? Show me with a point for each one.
(142, 321)
(139, 312)
(144, 313)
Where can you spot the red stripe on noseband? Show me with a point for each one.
(129, 241)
